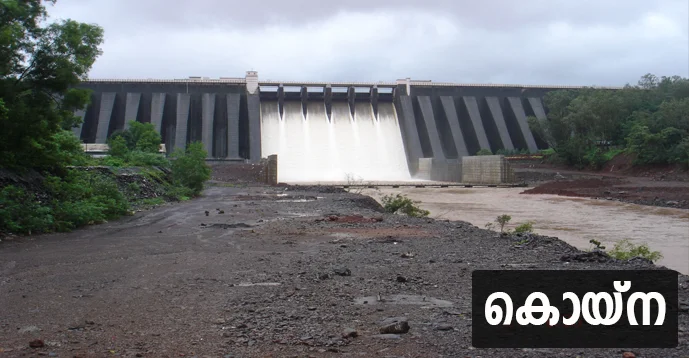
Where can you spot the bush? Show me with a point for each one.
(78, 199)
(524, 228)
(139, 137)
(484, 152)
(502, 220)
(83, 198)
(612, 153)
(547, 152)
(146, 159)
(595, 158)
(180, 193)
(68, 149)
(138, 147)
(625, 250)
(189, 168)
(401, 203)
(152, 202)
(21, 213)
(117, 147)
(111, 161)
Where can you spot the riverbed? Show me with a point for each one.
(574, 220)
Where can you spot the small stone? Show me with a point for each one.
(312, 308)
(36, 344)
(342, 271)
(392, 320)
(395, 328)
(207, 212)
(29, 329)
(628, 355)
(350, 333)
(401, 279)
(219, 321)
(443, 327)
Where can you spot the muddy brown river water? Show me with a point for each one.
(574, 220)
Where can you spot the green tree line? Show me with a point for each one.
(649, 120)
(41, 64)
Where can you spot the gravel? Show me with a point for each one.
(294, 284)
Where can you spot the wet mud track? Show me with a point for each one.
(267, 272)
(636, 190)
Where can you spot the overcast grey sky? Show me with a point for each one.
(568, 42)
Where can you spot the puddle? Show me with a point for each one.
(248, 284)
(342, 235)
(424, 301)
(350, 219)
(228, 226)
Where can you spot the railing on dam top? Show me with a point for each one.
(269, 83)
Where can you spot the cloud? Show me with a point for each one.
(580, 42)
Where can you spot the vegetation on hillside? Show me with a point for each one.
(650, 121)
(40, 65)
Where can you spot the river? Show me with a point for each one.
(574, 220)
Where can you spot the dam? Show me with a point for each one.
(321, 131)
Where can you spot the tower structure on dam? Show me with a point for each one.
(443, 121)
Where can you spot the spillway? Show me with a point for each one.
(313, 148)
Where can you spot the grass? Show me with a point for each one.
(152, 202)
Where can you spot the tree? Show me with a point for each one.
(588, 126)
(189, 168)
(140, 136)
(39, 68)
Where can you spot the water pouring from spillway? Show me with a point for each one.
(313, 148)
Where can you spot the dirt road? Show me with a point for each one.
(267, 273)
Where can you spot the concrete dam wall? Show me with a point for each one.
(321, 131)
(221, 115)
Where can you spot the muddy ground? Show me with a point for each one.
(267, 272)
(625, 188)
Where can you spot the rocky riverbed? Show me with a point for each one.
(270, 272)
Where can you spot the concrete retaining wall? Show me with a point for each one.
(489, 169)
(447, 170)
(270, 170)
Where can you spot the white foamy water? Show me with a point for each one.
(314, 149)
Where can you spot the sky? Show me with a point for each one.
(548, 42)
